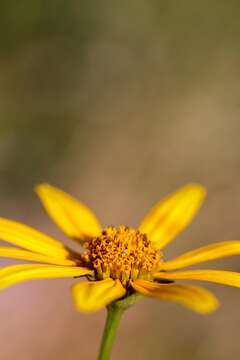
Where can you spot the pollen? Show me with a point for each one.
(122, 253)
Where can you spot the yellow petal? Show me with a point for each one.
(193, 297)
(72, 217)
(206, 253)
(18, 273)
(93, 295)
(31, 239)
(217, 276)
(13, 253)
(172, 215)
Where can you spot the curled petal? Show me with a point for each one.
(206, 253)
(217, 276)
(194, 297)
(72, 217)
(18, 273)
(90, 296)
(172, 215)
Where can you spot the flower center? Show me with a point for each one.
(122, 253)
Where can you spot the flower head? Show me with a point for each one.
(122, 253)
(117, 261)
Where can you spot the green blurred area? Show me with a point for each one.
(119, 103)
(165, 46)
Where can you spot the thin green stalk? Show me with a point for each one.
(114, 314)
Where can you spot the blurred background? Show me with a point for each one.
(120, 103)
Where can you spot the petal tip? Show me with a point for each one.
(40, 187)
(210, 308)
(196, 188)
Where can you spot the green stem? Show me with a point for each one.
(114, 314)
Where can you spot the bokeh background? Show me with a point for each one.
(119, 103)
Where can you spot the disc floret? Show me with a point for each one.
(122, 253)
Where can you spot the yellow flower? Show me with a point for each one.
(117, 261)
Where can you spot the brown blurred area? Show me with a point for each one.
(120, 103)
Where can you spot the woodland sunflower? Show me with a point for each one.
(118, 262)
